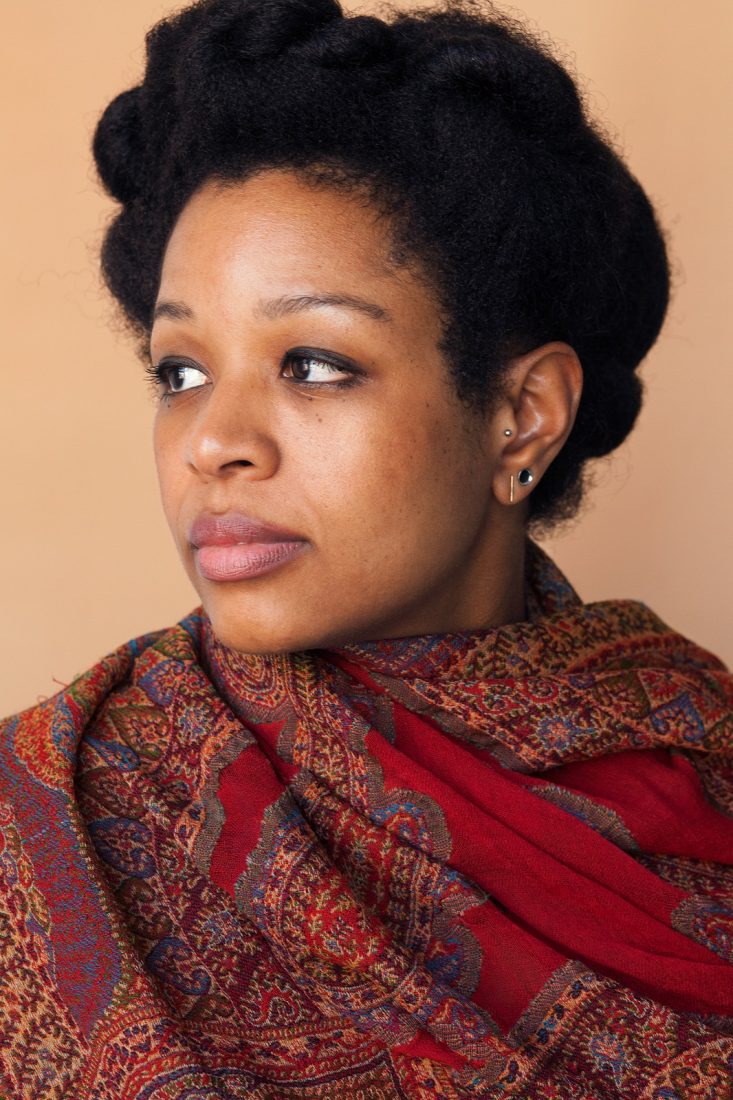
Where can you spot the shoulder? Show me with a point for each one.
(38, 745)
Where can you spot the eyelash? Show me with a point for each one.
(159, 374)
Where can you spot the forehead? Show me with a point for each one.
(277, 216)
(275, 235)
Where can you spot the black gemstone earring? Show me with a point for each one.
(524, 477)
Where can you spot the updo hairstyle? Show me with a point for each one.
(458, 126)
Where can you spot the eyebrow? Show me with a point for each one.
(273, 308)
(177, 311)
(280, 307)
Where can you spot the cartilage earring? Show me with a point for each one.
(507, 431)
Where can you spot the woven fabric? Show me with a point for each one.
(496, 864)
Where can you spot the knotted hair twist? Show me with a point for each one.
(460, 126)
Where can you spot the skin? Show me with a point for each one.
(401, 492)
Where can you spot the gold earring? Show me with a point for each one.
(526, 477)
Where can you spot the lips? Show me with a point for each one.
(234, 546)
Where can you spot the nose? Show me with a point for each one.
(231, 433)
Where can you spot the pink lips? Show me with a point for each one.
(233, 546)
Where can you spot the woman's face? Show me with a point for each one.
(322, 481)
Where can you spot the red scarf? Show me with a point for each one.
(487, 864)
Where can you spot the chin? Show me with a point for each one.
(288, 620)
(241, 630)
(246, 640)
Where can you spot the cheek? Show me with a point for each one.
(167, 465)
(397, 482)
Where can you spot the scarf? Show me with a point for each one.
(488, 864)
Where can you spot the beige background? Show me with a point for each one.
(86, 559)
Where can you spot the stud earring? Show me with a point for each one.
(507, 431)
(525, 477)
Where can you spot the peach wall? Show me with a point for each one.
(86, 559)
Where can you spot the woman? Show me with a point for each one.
(394, 813)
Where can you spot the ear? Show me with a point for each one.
(540, 403)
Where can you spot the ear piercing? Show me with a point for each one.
(524, 477)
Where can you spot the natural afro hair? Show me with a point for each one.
(460, 126)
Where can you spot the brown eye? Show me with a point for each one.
(313, 369)
(177, 377)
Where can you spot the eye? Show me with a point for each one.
(175, 377)
(315, 370)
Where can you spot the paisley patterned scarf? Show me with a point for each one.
(496, 864)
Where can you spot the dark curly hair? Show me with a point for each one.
(457, 124)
